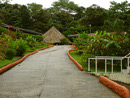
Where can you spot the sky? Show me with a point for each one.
(84, 3)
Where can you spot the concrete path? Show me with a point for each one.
(50, 74)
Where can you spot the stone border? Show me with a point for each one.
(76, 63)
(121, 90)
(5, 68)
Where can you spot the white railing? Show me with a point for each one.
(112, 58)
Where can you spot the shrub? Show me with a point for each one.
(38, 38)
(0, 22)
(102, 44)
(2, 55)
(2, 30)
(11, 44)
(7, 47)
(30, 41)
(21, 47)
(64, 41)
(10, 53)
(18, 34)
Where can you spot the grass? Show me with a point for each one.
(77, 57)
(6, 62)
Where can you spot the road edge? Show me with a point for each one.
(72, 59)
(7, 67)
(121, 90)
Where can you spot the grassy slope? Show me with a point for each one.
(77, 57)
(5, 61)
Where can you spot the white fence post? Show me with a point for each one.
(121, 65)
(88, 64)
(105, 65)
(96, 65)
(112, 58)
(112, 64)
(128, 65)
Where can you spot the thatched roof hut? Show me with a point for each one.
(53, 36)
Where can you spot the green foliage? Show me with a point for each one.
(18, 43)
(84, 35)
(12, 44)
(5, 62)
(21, 47)
(74, 29)
(30, 41)
(38, 38)
(10, 53)
(64, 41)
(2, 30)
(0, 22)
(102, 44)
(76, 19)
(18, 34)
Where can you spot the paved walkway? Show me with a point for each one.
(50, 74)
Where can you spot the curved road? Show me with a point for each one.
(50, 74)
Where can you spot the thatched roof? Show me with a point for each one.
(53, 36)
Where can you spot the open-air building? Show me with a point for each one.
(53, 36)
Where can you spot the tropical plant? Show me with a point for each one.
(10, 53)
(30, 41)
(64, 41)
(21, 47)
(2, 30)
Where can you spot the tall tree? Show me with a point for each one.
(119, 15)
(39, 17)
(23, 17)
(94, 16)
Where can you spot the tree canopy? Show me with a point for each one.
(67, 16)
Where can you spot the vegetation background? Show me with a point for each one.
(67, 17)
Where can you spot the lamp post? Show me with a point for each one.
(90, 28)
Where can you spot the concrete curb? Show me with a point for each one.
(5, 68)
(76, 63)
(121, 90)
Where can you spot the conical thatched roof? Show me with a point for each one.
(53, 36)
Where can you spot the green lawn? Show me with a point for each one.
(5, 61)
(77, 57)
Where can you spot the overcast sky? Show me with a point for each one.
(84, 3)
